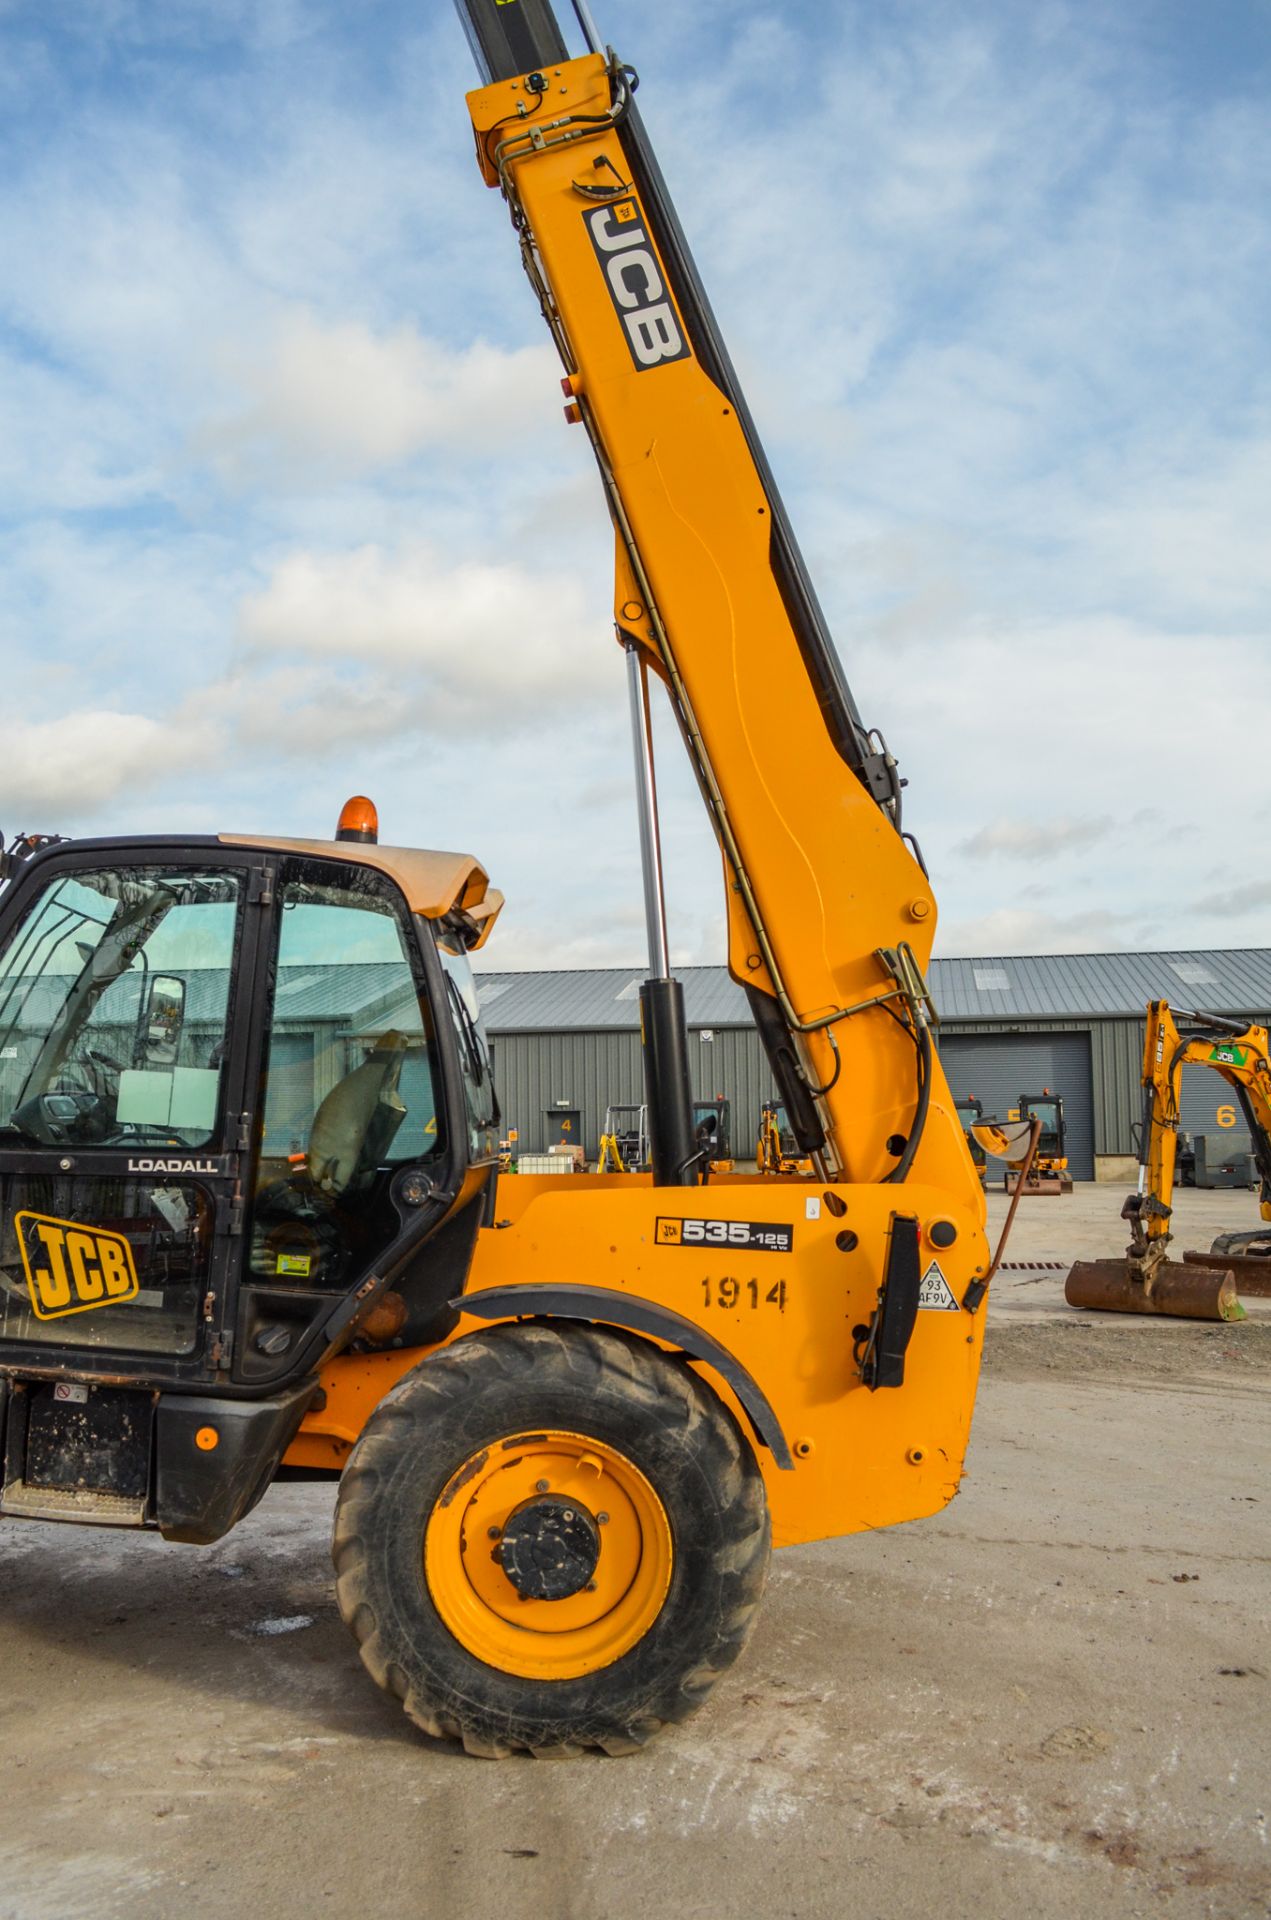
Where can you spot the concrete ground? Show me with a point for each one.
(1054, 1698)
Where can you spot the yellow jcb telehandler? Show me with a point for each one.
(251, 1219)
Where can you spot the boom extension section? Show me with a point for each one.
(1146, 1281)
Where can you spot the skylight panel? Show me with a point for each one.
(1192, 974)
(287, 984)
(992, 979)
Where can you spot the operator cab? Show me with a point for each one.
(1047, 1107)
(712, 1132)
(244, 1092)
(628, 1128)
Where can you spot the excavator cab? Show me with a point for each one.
(712, 1129)
(624, 1144)
(1049, 1173)
(243, 1088)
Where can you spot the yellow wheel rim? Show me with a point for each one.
(543, 1639)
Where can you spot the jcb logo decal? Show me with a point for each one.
(71, 1268)
(636, 287)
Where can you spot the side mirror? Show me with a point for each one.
(161, 1021)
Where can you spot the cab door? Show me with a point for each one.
(361, 1130)
(125, 1036)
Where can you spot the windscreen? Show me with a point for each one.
(114, 998)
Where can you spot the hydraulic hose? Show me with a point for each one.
(922, 1041)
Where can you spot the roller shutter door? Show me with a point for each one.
(1208, 1104)
(996, 1068)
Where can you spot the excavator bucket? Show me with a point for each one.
(1252, 1271)
(1180, 1291)
(1004, 1139)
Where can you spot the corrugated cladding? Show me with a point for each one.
(536, 1072)
(1051, 986)
(574, 1035)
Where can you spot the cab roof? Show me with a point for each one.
(434, 883)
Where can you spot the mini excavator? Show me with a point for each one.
(1049, 1173)
(251, 1217)
(777, 1147)
(1201, 1286)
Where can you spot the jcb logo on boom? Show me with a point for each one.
(634, 279)
(71, 1268)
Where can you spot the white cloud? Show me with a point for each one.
(495, 645)
(1027, 930)
(321, 401)
(1252, 896)
(82, 761)
(1035, 840)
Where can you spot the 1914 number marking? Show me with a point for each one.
(729, 1293)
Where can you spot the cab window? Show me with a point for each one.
(349, 1083)
(114, 1003)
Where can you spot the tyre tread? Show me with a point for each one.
(588, 1356)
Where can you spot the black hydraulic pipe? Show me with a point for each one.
(675, 1155)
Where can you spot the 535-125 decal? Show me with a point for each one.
(751, 1236)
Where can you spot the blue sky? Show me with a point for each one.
(288, 510)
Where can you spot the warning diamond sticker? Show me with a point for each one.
(935, 1293)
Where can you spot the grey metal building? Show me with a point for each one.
(566, 1044)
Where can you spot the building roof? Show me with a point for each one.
(597, 997)
(361, 992)
(1048, 986)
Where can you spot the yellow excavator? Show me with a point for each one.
(251, 1219)
(624, 1144)
(777, 1150)
(1201, 1286)
(1049, 1174)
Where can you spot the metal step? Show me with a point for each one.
(89, 1505)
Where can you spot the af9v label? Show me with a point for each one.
(755, 1236)
(640, 296)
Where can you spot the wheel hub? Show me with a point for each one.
(550, 1548)
(527, 1589)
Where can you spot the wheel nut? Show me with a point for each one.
(568, 1514)
(495, 1533)
(602, 1519)
(591, 1586)
(540, 1486)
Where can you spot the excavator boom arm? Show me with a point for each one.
(1240, 1055)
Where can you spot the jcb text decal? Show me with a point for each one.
(72, 1268)
(640, 296)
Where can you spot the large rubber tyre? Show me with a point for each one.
(630, 1398)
